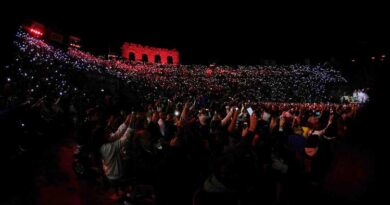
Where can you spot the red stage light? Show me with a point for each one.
(209, 72)
(36, 32)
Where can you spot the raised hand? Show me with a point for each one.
(233, 122)
(110, 121)
(252, 122)
(128, 119)
(244, 132)
(228, 116)
(281, 123)
(331, 116)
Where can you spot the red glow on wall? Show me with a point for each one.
(132, 51)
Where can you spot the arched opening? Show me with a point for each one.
(131, 56)
(145, 58)
(157, 59)
(170, 60)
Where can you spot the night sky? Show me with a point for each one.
(238, 35)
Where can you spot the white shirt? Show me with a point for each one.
(110, 151)
(161, 124)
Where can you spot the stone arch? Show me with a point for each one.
(132, 56)
(145, 58)
(157, 58)
(169, 60)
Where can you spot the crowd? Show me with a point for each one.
(196, 134)
(282, 83)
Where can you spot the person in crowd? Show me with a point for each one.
(111, 150)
